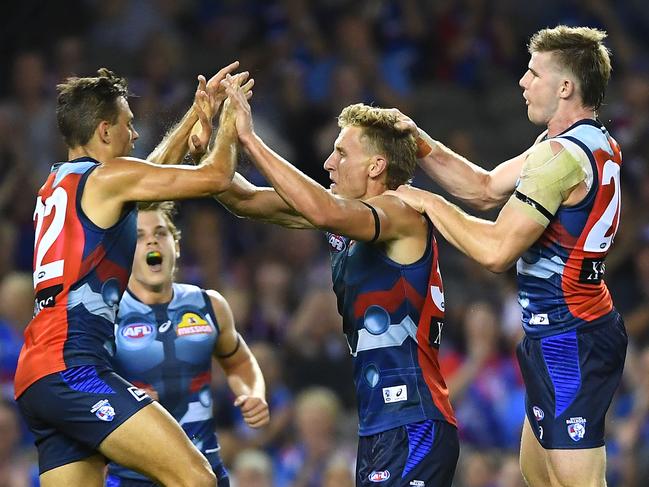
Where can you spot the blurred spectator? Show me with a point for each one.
(484, 384)
(16, 310)
(252, 468)
(303, 463)
(448, 62)
(316, 351)
(14, 469)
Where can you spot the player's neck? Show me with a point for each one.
(564, 120)
(149, 294)
(89, 150)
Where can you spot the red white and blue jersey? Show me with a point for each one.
(561, 285)
(168, 347)
(80, 273)
(393, 317)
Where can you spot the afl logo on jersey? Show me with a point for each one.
(336, 242)
(137, 330)
(192, 324)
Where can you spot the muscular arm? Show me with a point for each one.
(326, 211)
(173, 147)
(468, 182)
(548, 178)
(240, 366)
(124, 179)
(246, 200)
(495, 245)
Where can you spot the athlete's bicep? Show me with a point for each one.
(548, 176)
(128, 179)
(517, 230)
(244, 199)
(379, 219)
(504, 177)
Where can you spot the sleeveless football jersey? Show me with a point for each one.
(80, 272)
(560, 277)
(393, 316)
(169, 347)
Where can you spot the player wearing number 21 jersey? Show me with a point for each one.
(558, 225)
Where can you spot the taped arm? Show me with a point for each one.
(549, 175)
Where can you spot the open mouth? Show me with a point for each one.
(154, 260)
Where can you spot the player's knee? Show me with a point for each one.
(202, 476)
(534, 474)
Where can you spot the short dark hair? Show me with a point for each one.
(380, 135)
(83, 103)
(168, 210)
(582, 51)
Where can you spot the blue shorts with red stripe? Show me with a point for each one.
(415, 454)
(73, 411)
(570, 380)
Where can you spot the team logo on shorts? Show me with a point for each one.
(576, 428)
(538, 413)
(377, 476)
(417, 483)
(103, 410)
(192, 324)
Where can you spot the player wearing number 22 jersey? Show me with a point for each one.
(80, 273)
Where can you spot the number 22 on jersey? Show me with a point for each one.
(49, 265)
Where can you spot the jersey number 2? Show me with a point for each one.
(597, 239)
(58, 202)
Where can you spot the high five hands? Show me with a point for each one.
(208, 98)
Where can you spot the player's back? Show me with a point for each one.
(80, 272)
(393, 316)
(561, 275)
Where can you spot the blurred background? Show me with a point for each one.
(454, 66)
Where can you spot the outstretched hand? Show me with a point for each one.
(199, 138)
(207, 101)
(238, 101)
(413, 197)
(254, 410)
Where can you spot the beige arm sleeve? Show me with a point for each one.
(546, 180)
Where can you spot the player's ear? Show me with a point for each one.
(378, 165)
(103, 131)
(177, 245)
(567, 88)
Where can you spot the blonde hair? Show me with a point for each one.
(379, 135)
(580, 50)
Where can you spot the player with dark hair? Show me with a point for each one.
(79, 410)
(167, 334)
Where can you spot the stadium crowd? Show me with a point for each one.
(453, 66)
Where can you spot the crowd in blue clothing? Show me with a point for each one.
(453, 66)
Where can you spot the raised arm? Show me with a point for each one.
(550, 177)
(385, 221)
(246, 200)
(174, 146)
(466, 181)
(240, 366)
(123, 179)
